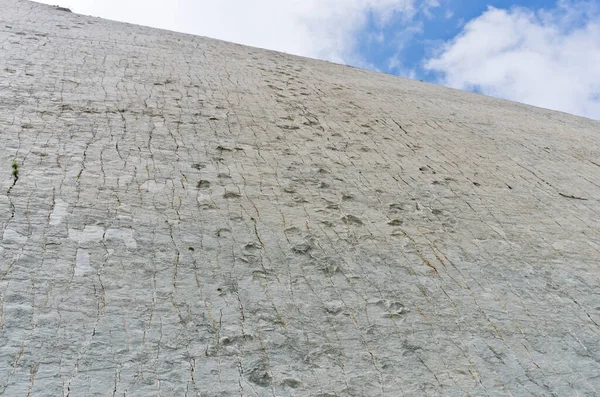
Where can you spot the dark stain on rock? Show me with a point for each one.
(351, 220)
(203, 184)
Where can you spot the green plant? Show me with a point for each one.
(15, 169)
(15, 174)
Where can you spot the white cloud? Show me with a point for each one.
(395, 65)
(548, 58)
(324, 29)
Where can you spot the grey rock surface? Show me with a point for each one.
(184, 216)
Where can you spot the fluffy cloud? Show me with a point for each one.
(324, 29)
(548, 58)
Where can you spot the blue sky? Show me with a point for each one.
(544, 53)
(401, 48)
(425, 33)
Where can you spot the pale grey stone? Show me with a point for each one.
(193, 217)
(12, 237)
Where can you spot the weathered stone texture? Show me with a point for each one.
(193, 217)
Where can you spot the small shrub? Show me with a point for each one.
(15, 169)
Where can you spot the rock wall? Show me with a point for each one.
(184, 216)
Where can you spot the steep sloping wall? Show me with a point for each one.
(183, 216)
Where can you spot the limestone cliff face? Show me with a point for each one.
(183, 216)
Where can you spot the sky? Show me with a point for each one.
(540, 52)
